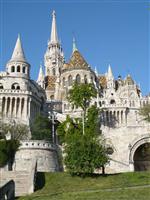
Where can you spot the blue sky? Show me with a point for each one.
(106, 32)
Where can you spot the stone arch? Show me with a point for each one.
(78, 78)
(13, 68)
(15, 86)
(135, 147)
(18, 68)
(69, 80)
(64, 81)
(24, 69)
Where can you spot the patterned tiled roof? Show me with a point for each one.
(50, 82)
(102, 81)
(76, 62)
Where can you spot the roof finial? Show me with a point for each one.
(74, 47)
(54, 37)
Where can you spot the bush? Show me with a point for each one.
(8, 149)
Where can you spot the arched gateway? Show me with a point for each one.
(139, 157)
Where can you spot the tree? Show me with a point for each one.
(17, 131)
(83, 153)
(80, 96)
(41, 128)
(8, 149)
(145, 112)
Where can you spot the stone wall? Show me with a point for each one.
(24, 180)
(123, 140)
(43, 152)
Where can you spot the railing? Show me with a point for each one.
(7, 191)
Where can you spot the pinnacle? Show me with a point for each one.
(54, 36)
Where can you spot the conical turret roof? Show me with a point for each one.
(18, 53)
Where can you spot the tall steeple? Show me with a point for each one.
(53, 60)
(18, 53)
(54, 36)
(54, 57)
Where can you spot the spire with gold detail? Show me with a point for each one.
(54, 36)
(18, 53)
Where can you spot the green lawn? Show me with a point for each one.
(61, 186)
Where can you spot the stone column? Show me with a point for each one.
(5, 109)
(19, 109)
(10, 108)
(131, 166)
(25, 108)
(1, 98)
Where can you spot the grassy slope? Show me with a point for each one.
(61, 186)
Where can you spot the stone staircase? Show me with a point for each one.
(24, 180)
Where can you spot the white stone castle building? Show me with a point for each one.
(121, 99)
(20, 97)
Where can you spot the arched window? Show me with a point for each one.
(69, 80)
(24, 69)
(112, 101)
(52, 97)
(1, 86)
(64, 81)
(18, 68)
(54, 72)
(85, 79)
(18, 87)
(15, 86)
(78, 79)
(12, 68)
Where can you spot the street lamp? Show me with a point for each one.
(52, 117)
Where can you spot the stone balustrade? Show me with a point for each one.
(34, 144)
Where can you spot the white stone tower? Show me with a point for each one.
(53, 60)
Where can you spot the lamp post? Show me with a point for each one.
(52, 117)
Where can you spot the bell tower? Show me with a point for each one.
(54, 57)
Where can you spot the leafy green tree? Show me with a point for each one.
(41, 128)
(145, 112)
(83, 153)
(81, 94)
(8, 149)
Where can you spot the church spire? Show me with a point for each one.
(74, 47)
(40, 79)
(110, 74)
(18, 53)
(54, 36)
